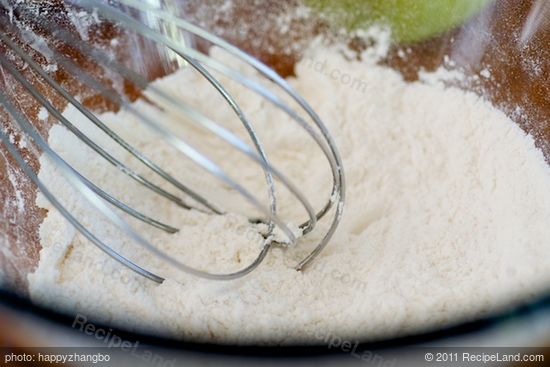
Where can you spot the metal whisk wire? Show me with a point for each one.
(196, 59)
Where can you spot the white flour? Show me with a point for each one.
(447, 216)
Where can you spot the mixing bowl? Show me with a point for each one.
(502, 60)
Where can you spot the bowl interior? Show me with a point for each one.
(490, 43)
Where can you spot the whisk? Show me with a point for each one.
(123, 15)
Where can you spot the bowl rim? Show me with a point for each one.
(523, 311)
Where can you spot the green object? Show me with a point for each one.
(410, 20)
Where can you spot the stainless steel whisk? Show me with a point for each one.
(201, 62)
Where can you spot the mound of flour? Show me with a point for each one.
(446, 217)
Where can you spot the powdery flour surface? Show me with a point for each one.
(446, 217)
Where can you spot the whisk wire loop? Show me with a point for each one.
(201, 63)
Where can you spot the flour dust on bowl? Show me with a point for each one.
(218, 185)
